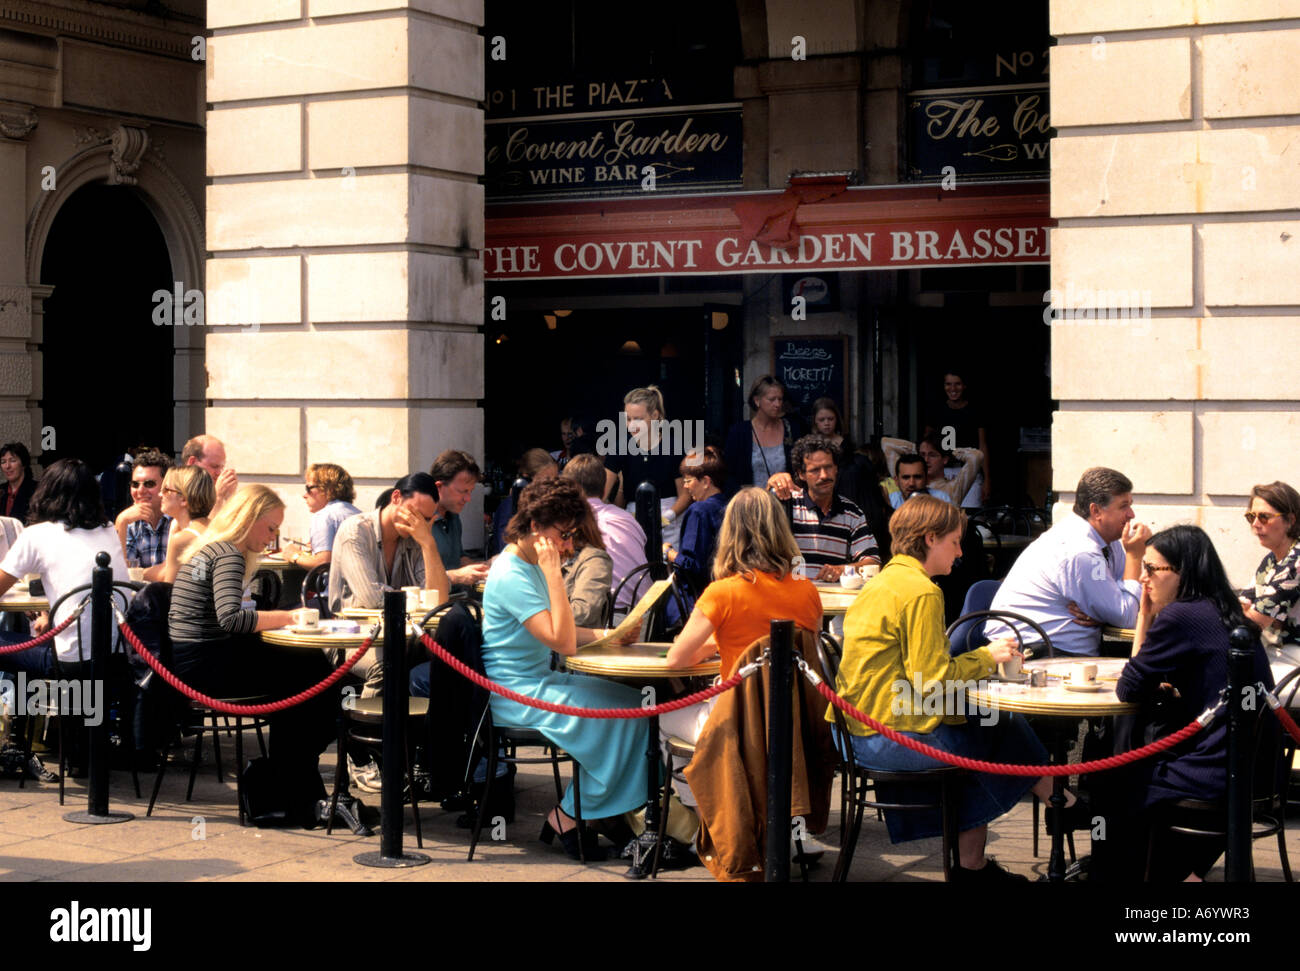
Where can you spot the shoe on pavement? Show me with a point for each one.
(36, 770)
(990, 872)
(367, 778)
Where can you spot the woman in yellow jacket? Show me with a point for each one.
(897, 669)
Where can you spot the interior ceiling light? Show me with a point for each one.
(550, 321)
(720, 320)
(561, 313)
(630, 347)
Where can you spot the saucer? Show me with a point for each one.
(1090, 686)
(300, 629)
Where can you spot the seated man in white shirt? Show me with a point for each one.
(1081, 573)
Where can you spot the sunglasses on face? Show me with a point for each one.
(1264, 517)
(145, 484)
(1151, 569)
(309, 488)
(168, 490)
(568, 534)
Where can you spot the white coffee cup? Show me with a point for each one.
(1010, 669)
(136, 573)
(1084, 673)
(850, 581)
(869, 571)
(307, 617)
(430, 598)
(412, 599)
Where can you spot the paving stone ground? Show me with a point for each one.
(36, 843)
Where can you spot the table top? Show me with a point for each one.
(368, 615)
(1055, 698)
(835, 599)
(1008, 541)
(638, 660)
(276, 562)
(320, 640)
(1118, 633)
(20, 601)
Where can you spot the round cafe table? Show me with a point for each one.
(835, 599)
(319, 640)
(638, 663)
(22, 602)
(367, 616)
(1065, 707)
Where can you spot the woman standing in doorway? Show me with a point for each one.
(965, 421)
(759, 448)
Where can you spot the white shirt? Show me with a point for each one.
(1067, 564)
(65, 558)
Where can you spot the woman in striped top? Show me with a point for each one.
(214, 642)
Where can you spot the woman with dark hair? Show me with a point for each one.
(1179, 662)
(526, 618)
(759, 448)
(1274, 516)
(16, 465)
(69, 528)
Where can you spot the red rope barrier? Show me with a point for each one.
(1288, 722)
(466, 671)
(215, 704)
(997, 768)
(37, 641)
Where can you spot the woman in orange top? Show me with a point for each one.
(753, 584)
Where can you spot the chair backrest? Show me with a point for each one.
(316, 589)
(828, 657)
(265, 589)
(969, 635)
(1274, 747)
(123, 593)
(1011, 619)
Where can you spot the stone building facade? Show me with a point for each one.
(318, 178)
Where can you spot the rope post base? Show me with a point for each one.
(101, 638)
(396, 702)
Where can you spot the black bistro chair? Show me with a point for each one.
(316, 590)
(1274, 750)
(859, 785)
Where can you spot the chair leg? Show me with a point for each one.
(1281, 845)
(216, 749)
(1069, 841)
(480, 805)
(555, 770)
(239, 769)
(951, 858)
(663, 812)
(1035, 827)
(194, 765)
(577, 813)
(63, 758)
(261, 741)
(162, 770)
(415, 801)
(340, 770)
(26, 734)
(849, 844)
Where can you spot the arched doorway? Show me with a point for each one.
(107, 367)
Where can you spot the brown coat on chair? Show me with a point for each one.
(728, 773)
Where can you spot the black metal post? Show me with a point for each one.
(396, 701)
(101, 641)
(647, 514)
(1238, 866)
(780, 740)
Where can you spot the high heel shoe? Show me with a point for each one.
(590, 846)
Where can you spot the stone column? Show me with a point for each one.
(1176, 180)
(345, 224)
(16, 421)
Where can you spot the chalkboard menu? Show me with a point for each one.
(812, 368)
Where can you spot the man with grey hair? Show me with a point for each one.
(207, 452)
(1083, 572)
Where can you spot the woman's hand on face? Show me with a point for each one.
(548, 554)
(1004, 649)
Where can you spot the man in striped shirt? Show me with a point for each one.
(831, 531)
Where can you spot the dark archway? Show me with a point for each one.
(108, 368)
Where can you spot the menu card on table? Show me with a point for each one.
(635, 616)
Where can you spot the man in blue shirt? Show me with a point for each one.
(1083, 572)
(141, 526)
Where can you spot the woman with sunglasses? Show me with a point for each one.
(188, 495)
(526, 618)
(328, 493)
(1178, 668)
(1274, 516)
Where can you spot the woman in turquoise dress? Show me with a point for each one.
(526, 616)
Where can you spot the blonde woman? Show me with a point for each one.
(753, 584)
(644, 408)
(214, 642)
(187, 497)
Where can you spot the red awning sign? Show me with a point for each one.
(856, 230)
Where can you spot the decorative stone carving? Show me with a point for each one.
(16, 121)
(15, 311)
(129, 146)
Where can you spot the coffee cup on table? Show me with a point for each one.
(1083, 673)
(412, 599)
(136, 573)
(869, 571)
(307, 618)
(430, 598)
(1009, 670)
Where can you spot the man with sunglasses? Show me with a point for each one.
(1081, 573)
(141, 526)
